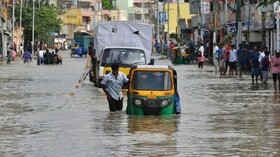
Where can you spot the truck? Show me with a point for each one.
(126, 43)
(82, 41)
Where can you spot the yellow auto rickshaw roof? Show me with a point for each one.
(153, 66)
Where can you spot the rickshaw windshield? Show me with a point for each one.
(123, 57)
(152, 80)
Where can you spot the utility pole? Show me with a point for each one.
(157, 22)
(162, 28)
(199, 19)
(214, 21)
(2, 31)
(13, 24)
(238, 23)
(168, 19)
(20, 22)
(178, 17)
(263, 11)
(33, 24)
(142, 8)
(249, 22)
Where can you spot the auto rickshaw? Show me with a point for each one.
(152, 90)
(180, 55)
(77, 49)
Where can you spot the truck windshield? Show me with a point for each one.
(124, 57)
(151, 80)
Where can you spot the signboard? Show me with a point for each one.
(231, 27)
(162, 17)
(194, 6)
(205, 7)
(182, 24)
(195, 21)
(72, 16)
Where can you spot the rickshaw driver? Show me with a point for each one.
(112, 86)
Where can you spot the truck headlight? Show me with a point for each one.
(138, 102)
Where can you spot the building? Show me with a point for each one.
(176, 22)
(5, 26)
(79, 16)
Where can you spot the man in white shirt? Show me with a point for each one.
(232, 60)
(215, 57)
(41, 57)
(262, 54)
(201, 49)
(112, 86)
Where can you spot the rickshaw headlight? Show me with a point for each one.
(164, 103)
(137, 102)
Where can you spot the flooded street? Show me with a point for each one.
(220, 116)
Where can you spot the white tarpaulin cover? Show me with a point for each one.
(123, 33)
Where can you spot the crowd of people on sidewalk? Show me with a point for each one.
(227, 59)
(257, 63)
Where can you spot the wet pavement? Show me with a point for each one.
(45, 111)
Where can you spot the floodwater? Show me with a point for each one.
(45, 111)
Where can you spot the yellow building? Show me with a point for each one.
(184, 9)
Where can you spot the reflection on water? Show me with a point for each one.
(140, 135)
(153, 135)
(152, 124)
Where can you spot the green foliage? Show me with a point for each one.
(106, 4)
(46, 20)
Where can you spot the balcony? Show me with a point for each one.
(140, 10)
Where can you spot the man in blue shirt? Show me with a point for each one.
(254, 60)
(240, 58)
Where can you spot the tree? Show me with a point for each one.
(106, 4)
(46, 20)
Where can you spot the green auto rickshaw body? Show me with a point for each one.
(151, 90)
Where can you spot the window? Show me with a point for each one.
(152, 80)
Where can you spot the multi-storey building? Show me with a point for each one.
(5, 26)
(137, 10)
(79, 16)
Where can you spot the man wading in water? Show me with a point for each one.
(112, 86)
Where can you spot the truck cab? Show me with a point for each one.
(126, 43)
(125, 57)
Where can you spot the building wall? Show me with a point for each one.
(184, 13)
(124, 4)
